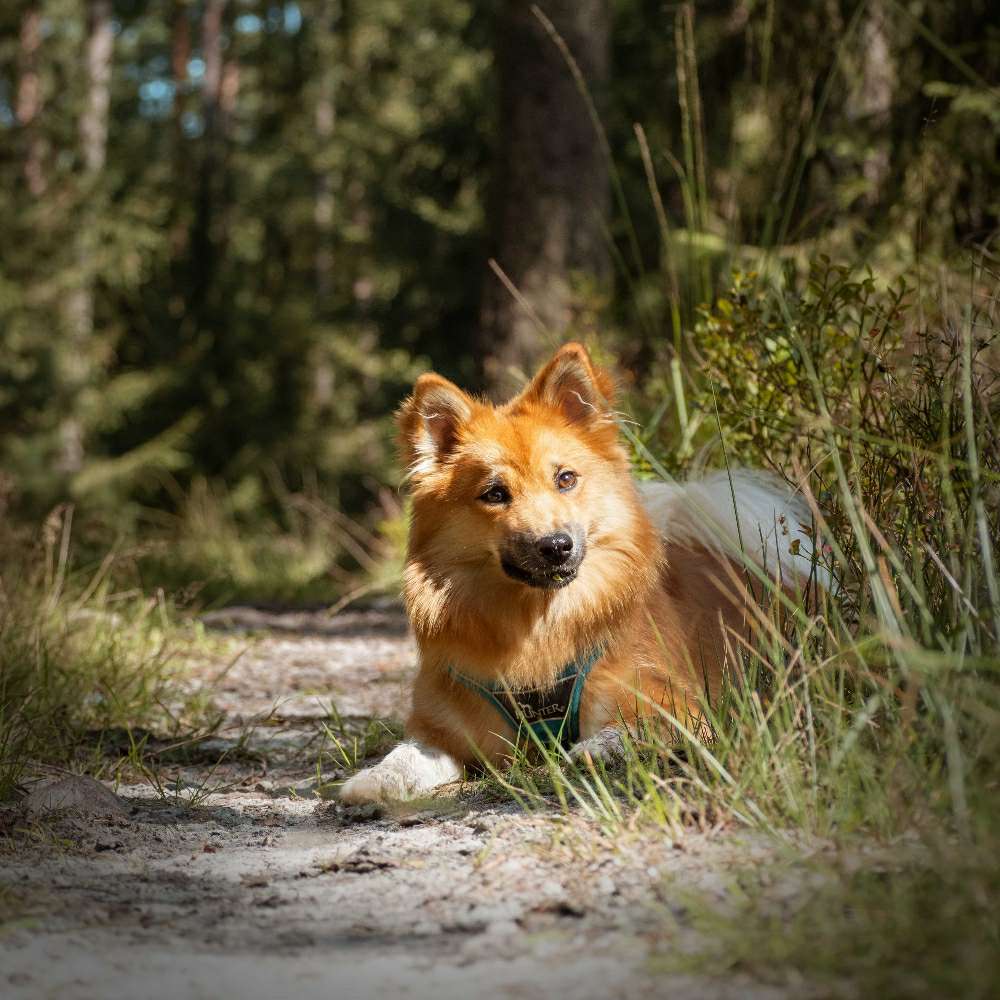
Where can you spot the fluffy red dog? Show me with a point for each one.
(545, 590)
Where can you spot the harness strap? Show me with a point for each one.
(574, 703)
(563, 727)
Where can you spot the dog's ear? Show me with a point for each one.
(573, 384)
(429, 422)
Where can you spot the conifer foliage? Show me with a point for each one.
(234, 230)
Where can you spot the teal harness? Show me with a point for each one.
(552, 714)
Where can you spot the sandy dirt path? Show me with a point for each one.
(265, 889)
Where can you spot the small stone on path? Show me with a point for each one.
(76, 793)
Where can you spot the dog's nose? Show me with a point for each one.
(555, 549)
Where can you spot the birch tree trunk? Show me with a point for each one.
(79, 304)
(550, 199)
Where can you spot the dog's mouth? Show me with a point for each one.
(547, 579)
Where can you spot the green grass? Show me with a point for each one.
(80, 659)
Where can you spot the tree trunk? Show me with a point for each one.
(180, 59)
(551, 191)
(29, 100)
(94, 120)
(211, 53)
(325, 118)
(79, 305)
(877, 83)
(330, 55)
(218, 96)
(180, 51)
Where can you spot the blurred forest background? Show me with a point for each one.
(234, 231)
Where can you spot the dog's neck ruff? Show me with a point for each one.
(551, 714)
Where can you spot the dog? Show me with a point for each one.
(550, 592)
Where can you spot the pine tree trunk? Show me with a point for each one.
(330, 55)
(211, 53)
(209, 224)
(878, 82)
(29, 100)
(180, 55)
(325, 118)
(79, 304)
(180, 59)
(550, 199)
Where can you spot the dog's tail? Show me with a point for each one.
(739, 511)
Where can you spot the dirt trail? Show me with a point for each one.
(264, 890)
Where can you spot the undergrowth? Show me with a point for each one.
(209, 550)
(80, 659)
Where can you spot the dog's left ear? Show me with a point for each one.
(573, 384)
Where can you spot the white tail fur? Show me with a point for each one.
(741, 510)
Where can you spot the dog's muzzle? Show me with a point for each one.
(547, 561)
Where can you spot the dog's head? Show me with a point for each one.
(535, 494)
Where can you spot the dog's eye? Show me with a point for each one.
(496, 494)
(566, 480)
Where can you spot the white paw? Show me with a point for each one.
(408, 771)
(605, 746)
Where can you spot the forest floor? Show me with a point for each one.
(248, 878)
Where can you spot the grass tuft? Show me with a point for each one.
(79, 660)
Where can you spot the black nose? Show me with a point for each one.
(555, 548)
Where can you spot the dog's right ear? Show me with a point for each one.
(430, 421)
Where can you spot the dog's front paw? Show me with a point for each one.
(374, 784)
(604, 747)
(407, 772)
